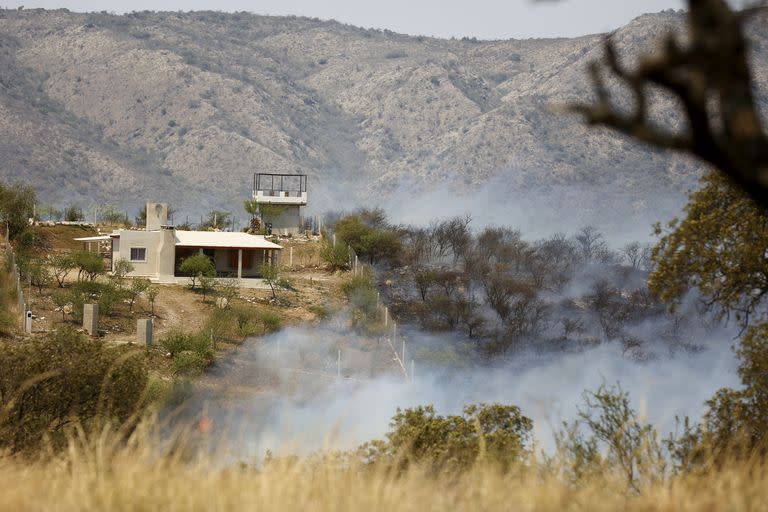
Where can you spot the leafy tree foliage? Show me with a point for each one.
(740, 417)
(197, 266)
(720, 247)
(89, 265)
(61, 265)
(498, 434)
(16, 205)
(369, 236)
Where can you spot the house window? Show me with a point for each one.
(138, 254)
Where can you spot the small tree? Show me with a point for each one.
(271, 275)
(207, 285)
(39, 276)
(632, 444)
(138, 286)
(197, 266)
(73, 213)
(121, 268)
(424, 279)
(89, 264)
(228, 289)
(152, 293)
(61, 300)
(61, 266)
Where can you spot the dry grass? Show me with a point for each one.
(103, 475)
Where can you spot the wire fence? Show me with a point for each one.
(394, 339)
(15, 276)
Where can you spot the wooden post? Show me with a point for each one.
(239, 263)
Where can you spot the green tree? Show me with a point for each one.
(17, 203)
(39, 275)
(120, 269)
(720, 247)
(196, 267)
(251, 207)
(89, 265)
(207, 285)
(152, 293)
(73, 213)
(271, 275)
(61, 266)
(738, 419)
(375, 243)
(217, 219)
(138, 286)
(499, 434)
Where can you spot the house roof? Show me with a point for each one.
(223, 239)
(93, 238)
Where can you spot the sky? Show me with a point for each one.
(484, 19)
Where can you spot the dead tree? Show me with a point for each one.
(712, 79)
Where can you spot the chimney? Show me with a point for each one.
(157, 216)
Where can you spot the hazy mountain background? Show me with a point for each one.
(185, 107)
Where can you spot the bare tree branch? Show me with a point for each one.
(712, 70)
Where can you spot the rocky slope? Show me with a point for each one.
(186, 106)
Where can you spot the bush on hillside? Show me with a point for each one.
(50, 384)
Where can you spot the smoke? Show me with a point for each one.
(623, 213)
(311, 387)
(282, 393)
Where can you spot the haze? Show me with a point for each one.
(484, 19)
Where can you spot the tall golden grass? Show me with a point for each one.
(104, 472)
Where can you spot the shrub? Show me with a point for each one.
(499, 434)
(189, 364)
(46, 383)
(336, 255)
(361, 295)
(109, 297)
(174, 342)
(177, 342)
(270, 320)
(240, 322)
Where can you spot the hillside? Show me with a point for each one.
(186, 106)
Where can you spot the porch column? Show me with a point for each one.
(239, 263)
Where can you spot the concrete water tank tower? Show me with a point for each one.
(280, 198)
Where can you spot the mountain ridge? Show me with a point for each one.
(186, 106)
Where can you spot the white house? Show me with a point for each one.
(157, 252)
